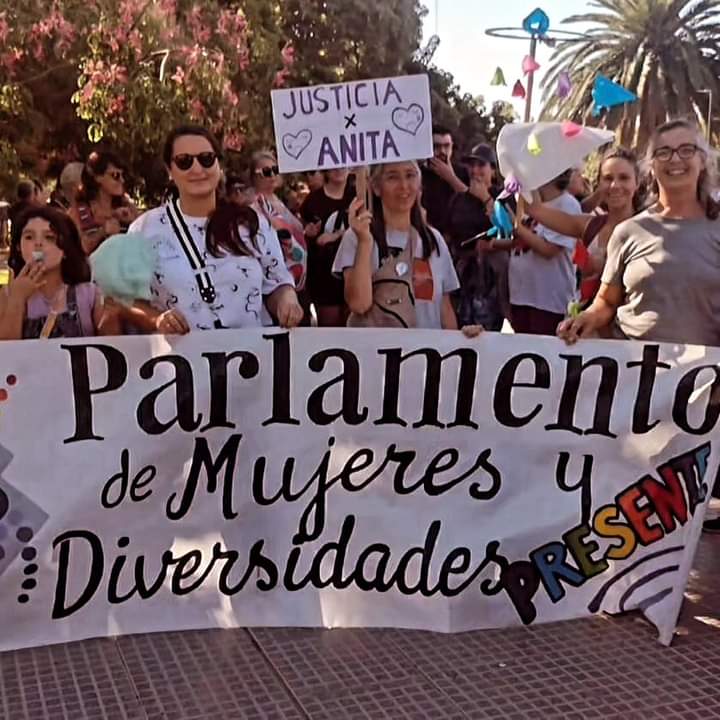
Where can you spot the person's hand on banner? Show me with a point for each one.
(360, 220)
(288, 310)
(172, 322)
(472, 331)
(573, 329)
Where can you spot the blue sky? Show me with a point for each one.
(471, 56)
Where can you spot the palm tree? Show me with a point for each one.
(665, 51)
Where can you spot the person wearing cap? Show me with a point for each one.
(483, 297)
(441, 179)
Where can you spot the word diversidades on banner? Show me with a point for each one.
(352, 124)
(347, 478)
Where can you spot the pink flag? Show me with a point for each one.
(529, 65)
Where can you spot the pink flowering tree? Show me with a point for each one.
(121, 73)
(77, 74)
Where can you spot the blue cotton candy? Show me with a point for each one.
(123, 266)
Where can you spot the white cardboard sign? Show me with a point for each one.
(366, 122)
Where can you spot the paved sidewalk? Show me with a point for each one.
(611, 669)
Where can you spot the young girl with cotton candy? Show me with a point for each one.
(51, 295)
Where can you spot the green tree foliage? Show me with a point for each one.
(81, 74)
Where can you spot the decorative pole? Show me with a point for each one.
(537, 25)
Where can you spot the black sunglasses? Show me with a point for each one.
(185, 161)
(268, 172)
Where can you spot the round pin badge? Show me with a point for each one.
(401, 268)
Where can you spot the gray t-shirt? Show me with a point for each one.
(444, 277)
(669, 271)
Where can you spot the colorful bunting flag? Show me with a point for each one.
(564, 86)
(533, 145)
(607, 94)
(518, 90)
(570, 129)
(530, 65)
(498, 77)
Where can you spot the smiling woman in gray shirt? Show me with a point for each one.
(661, 282)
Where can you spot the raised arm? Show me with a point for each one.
(557, 220)
(358, 277)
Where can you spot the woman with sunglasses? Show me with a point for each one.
(265, 176)
(101, 208)
(217, 265)
(660, 281)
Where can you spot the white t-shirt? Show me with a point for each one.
(444, 277)
(546, 283)
(240, 281)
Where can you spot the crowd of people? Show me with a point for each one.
(636, 256)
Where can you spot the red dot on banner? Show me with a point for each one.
(3, 395)
(11, 379)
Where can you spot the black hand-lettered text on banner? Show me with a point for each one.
(347, 478)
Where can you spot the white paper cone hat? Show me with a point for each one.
(535, 153)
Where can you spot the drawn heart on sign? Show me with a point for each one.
(295, 145)
(408, 119)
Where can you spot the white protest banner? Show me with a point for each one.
(351, 124)
(409, 479)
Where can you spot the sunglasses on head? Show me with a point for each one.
(268, 172)
(185, 161)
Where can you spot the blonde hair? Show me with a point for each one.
(708, 179)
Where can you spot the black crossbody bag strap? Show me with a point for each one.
(192, 253)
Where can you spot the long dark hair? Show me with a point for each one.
(622, 153)
(74, 267)
(707, 181)
(96, 165)
(222, 235)
(377, 226)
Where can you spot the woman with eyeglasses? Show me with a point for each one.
(660, 281)
(217, 265)
(101, 208)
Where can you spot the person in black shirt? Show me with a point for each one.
(482, 269)
(324, 213)
(441, 179)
